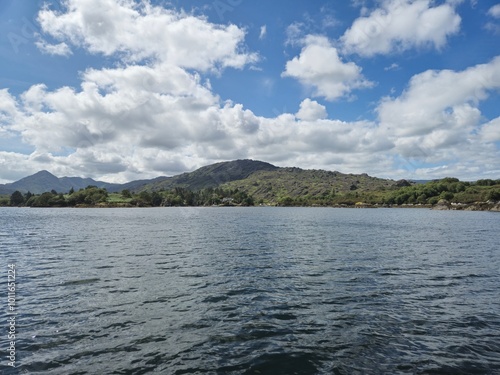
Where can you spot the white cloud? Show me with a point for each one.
(61, 49)
(432, 96)
(294, 33)
(139, 31)
(319, 66)
(393, 66)
(263, 32)
(399, 25)
(118, 127)
(494, 11)
(8, 106)
(437, 119)
(490, 132)
(311, 110)
(144, 118)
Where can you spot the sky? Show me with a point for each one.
(119, 90)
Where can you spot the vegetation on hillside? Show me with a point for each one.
(93, 196)
(210, 176)
(281, 191)
(249, 182)
(448, 189)
(295, 186)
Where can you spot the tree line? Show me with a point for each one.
(430, 193)
(94, 196)
(449, 189)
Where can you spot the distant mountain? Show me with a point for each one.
(44, 181)
(208, 176)
(5, 191)
(259, 179)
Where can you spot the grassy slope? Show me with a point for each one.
(271, 186)
(211, 176)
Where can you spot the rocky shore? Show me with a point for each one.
(477, 206)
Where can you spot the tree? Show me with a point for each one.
(447, 195)
(90, 196)
(71, 191)
(156, 199)
(145, 197)
(494, 195)
(422, 199)
(285, 201)
(16, 199)
(485, 182)
(43, 200)
(126, 193)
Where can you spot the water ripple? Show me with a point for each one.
(254, 291)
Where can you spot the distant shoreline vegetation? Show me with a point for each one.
(448, 193)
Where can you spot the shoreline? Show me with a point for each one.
(441, 206)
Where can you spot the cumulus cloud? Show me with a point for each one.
(399, 25)
(8, 107)
(437, 118)
(117, 129)
(152, 103)
(139, 31)
(490, 132)
(154, 114)
(311, 110)
(319, 66)
(433, 95)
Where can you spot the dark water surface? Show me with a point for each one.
(253, 291)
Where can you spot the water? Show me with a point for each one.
(252, 291)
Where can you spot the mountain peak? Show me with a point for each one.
(43, 181)
(42, 173)
(46, 175)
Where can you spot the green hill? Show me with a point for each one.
(211, 176)
(248, 182)
(303, 186)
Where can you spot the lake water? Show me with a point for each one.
(252, 291)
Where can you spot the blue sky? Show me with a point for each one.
(121, 89)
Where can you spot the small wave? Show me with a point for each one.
(80, 282)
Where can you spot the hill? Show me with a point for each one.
(212, 176)
(259, 179)
(205, 177)
(294, 183)
(248, 182)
